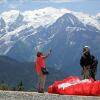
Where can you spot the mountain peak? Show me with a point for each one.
(10, 16)
(98, 15)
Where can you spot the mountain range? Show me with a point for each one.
(22, 34)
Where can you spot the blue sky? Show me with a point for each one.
(91, 7)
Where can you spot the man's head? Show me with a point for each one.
(39, 54)
(86, 50)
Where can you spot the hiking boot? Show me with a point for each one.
(41, 91)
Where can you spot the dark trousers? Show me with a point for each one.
(93, 72)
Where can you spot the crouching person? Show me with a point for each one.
(41, 70)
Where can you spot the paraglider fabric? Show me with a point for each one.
(74, 86)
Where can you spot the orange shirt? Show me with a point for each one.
(40, 63)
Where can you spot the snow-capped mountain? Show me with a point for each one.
(98, 17)
(22, 34)
(2, 26)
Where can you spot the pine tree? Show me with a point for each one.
(20, 86)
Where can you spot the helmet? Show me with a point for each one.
(86, 49)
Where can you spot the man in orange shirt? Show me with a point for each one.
(40, 64)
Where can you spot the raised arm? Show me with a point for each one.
(46, 56)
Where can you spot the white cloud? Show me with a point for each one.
(3, 1)
(65, 1)
(59, 1)
(54, 1)
(17, 1)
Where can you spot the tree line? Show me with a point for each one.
(18, 87)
